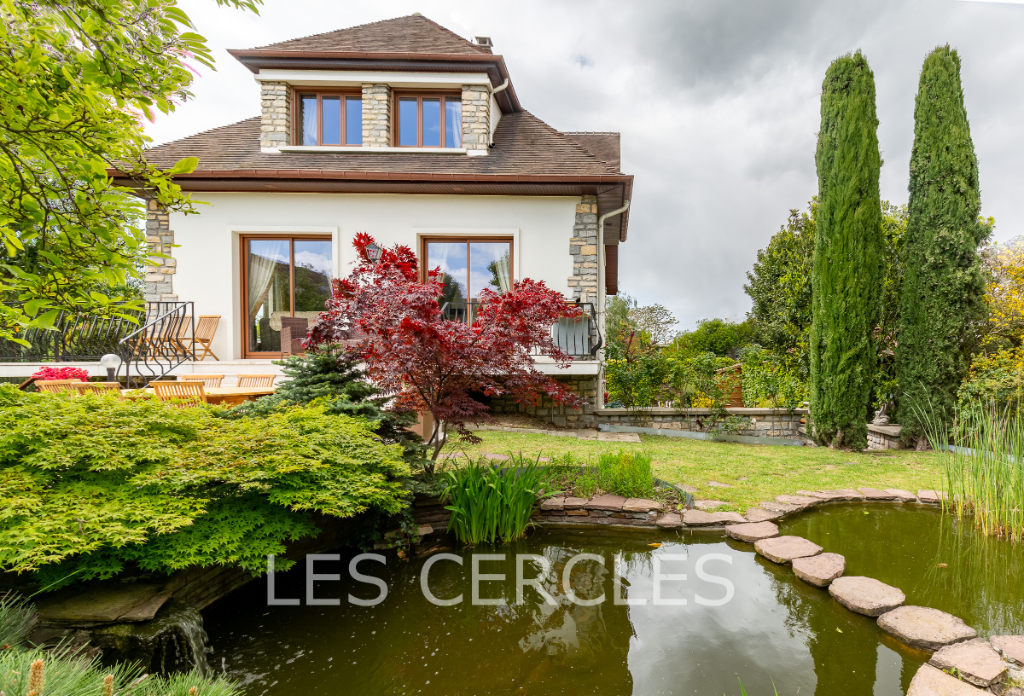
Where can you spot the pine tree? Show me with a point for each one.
(943, 286)
(847, 255)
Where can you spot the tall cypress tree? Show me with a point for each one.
(846, 290)
(943, 285)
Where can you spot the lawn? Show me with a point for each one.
(755, 472)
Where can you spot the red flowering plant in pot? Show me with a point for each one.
(427, 362)
(48, 373)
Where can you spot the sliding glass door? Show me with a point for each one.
(282, 277)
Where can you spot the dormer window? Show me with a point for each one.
(329, 118)
(428, 120)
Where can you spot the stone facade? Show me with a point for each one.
(884, 437)
(476, 117)
(275, 123)
(160, 269)
(583, 249)
(548, 410)
(376, 115)
(750, 422)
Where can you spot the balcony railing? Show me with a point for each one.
(74, 337)
(579, 337)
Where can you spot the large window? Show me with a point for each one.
(425, 120)
(283, 277)
(329, 118)
(468, 266)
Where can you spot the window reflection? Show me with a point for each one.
(354, 121)
(331, 110)
(452, 123)
(431, 123)
(307, 116)
(407, 122)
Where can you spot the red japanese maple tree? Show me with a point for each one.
(431, 363)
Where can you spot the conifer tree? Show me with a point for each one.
(847, 255)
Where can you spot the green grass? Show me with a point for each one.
(755, 472)
(624, 473)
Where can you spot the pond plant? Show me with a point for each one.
(629, 474)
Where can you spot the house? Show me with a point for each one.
(409, 132)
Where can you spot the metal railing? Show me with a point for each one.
(579, 337)
(75, 337)
(160, 345)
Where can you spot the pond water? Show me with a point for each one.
(773, 632)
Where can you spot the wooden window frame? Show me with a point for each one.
(467, 240)
(420, 95)
(291, 239)
(298, 93)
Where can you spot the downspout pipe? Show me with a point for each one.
(602, 285)
(500, 88)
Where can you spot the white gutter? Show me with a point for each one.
(502, 87)
(602, 285)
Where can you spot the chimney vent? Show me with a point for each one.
(484, 41)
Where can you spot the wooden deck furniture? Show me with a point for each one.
(207, 380)
(206, 329)
(180, 340)
(97, 387)
(55, 386)
(180, 394)
(293, 333)
(256, 380)
(226, 396)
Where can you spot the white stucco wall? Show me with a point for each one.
(208, 251)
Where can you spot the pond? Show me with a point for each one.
(774, 631)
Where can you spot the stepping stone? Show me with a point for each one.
(1012, 648)
(571, 503)
(689, 489)
(932, 682)
(669, 520)
(543, 459)
(618, 437)
(780, 507)
(752, 531)
(553, 504)
(801, 501)
(586, 434)
(699, 518)
(866, 595)
(641, 505)
(832, 496)
(876, 494)
(784, 549)
(716, 484)
(974, 661)
(931, 497)
(497, 457)
(924, 628)
(762, 515)
(708, 504)
(902, 495)
(820, 570)
(607, 501)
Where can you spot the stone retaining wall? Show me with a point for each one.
(557, 414)
(749, 422)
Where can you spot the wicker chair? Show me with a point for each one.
(293, 333)
(56, 386)
(207, 380)
(186, 394)
(256, 380)
(206, 329)
(98, 387)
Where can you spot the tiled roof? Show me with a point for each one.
(604, 145)
(412, 34)
(523, 145)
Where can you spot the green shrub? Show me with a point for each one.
(16, 619)
(770, 383)
(626, 473)
(488, 504)
(90, 484)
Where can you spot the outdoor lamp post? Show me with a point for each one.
(111, 362)
(373, 252)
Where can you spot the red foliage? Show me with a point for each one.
(428, 362)
(47, 373)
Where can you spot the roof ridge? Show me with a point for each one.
(568, 141)
(592, 132)
(209, 130)
(479, 48)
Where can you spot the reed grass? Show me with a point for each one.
(490, 504)
(16, 619)
(630, 474)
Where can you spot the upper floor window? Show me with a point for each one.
(428, 120)
(329, 118)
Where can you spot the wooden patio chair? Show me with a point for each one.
(293, 333)
(98, 387)
(256, 380)
(56, 386)
(186, 394)
(179, 338)
(207, 380)
(206, 329)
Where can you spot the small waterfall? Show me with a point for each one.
(174, 641)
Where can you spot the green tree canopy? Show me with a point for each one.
(720, 337)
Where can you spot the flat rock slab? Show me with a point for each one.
(931, 497)
(761, 515)
(925, 628)
(783, 549)
(902, 495)
(553, 504)
(708, 504)
(607, 501)
(571, 503)
(641, 505)
(689, 489)
(699, 518)
(1012, 647)
(752, 531)
(820, 570)
(975, 661)
(866, 595)
(798, 500)
(102, 604)
(716, 484)
(586, 434)
(876, 494)
(933, 682)
(780, 507)
(618, 437)
(833, 496)
(497, 457)
(670, 520)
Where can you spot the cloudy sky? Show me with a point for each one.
(716, 100)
